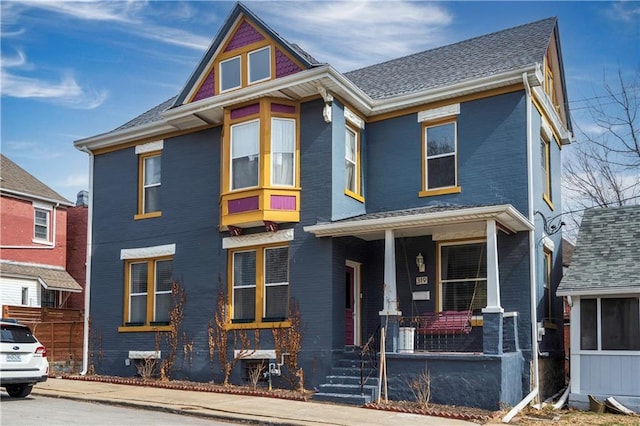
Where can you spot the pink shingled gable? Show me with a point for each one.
(284, 65)
(244, 36)
(208, 87)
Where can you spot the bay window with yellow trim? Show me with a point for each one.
(439, 158)
(259, 286)
(260, 171)
(148, 285)
(149, 182)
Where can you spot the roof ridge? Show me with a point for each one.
(447, 46)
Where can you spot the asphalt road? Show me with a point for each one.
(39, 410)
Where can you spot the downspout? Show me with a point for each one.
(532, 269)
(87, 286)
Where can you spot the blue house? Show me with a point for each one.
(300, 211)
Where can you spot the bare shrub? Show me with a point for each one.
(255, 373)
(147, 367)
(420, 387)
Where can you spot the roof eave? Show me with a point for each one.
(506, 214)
(21, 194)
(598, 291)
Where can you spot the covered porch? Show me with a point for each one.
(457, 306)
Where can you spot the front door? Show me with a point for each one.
(352, 304)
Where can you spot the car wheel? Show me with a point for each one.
(19, 391)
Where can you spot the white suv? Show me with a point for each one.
(23, 360)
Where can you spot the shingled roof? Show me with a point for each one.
(507, 50)
(478, 57)
(15, 180)
(606, 254)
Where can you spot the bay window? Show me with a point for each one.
(245, 155)
(283, 149)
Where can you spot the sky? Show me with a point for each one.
(72, 70)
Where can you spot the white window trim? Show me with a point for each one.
(48, 210)
(353, 119)
(148, 252)
(438, 113)
(249, 81)
(239, 58)
(150, 147)
(599, 350)
(354, 162)
(262, 238)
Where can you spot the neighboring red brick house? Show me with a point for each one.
(39, 249)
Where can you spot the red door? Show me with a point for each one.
(349, 317)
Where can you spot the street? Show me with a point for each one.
(53, 411)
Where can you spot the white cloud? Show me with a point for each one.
(115, 11)
(351, 35)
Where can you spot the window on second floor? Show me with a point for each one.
(148, 286)
(440, 157)
(545, 168)
(352, 162)
(245, 154)
(41, 224)
(150, 173)
(259, 287)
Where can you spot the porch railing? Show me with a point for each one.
(452, 332)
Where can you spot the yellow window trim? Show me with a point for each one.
(425, 192)
(358, 171)
(354, 195)
(151, 271)
(548, 201)
(143, 328)
(259, 302)
(147, 215)
(265, 115)
(440, 191)
(141, 157)
(257, 324)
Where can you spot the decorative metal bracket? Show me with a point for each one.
(551, 225)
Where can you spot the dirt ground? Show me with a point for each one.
(569, 417)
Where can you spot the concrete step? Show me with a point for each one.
(342, 398)
(342, 389)
(352, 380)
(354, 372)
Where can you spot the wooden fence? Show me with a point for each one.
(61, 331)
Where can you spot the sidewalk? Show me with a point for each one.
(235, 408)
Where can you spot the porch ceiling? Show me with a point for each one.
(440, 222)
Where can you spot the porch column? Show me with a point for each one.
(492, 314)
(390, 315)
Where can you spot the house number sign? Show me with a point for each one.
(422, 280)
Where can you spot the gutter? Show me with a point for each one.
(535, 392)
(87, 286)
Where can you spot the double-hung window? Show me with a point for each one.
(352, 161)
(245, 154)
(463, 276)
(545, 167)
(610, 324)
(148, 291)
(260, 284)
(41, 224)
(548, 289)
(440, 161)
(283, 150)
